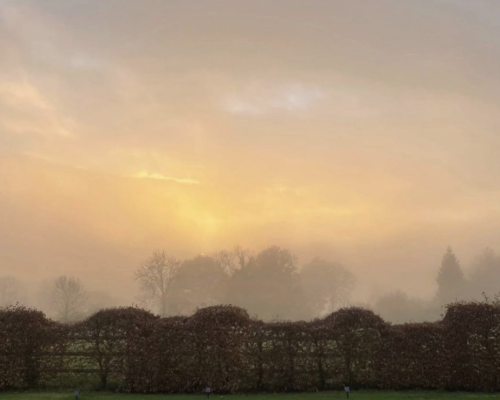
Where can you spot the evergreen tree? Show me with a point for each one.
(450, 279)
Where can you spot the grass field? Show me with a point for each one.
(361, 395)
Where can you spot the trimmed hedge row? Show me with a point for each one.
(222, 347)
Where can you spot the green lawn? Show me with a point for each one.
(361, 395)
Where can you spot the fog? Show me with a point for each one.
(362, 134)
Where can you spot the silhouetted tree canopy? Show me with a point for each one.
(327, 286)
(199, 282)
(269, 286)
(398, 307)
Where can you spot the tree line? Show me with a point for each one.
(453, 283)
(269, 284)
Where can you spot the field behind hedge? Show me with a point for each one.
(356, 395)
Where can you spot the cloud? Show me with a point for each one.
(297, 98)
(256, 102)
(84, 61)
(44, 38)
(242, 107)
(155, 175)
(24, 109)
(22, 93)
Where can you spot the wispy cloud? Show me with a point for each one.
(243, 107)
(157, 176)
(22, 93)
(25, 110)
(43, 37)
(257, 102)
(297, 98)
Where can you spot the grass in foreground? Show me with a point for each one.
(356, 395)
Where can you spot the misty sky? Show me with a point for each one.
(362, 131)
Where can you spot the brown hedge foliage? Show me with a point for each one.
(30, 347)
(171, 360)
(355, 341)
(110, 338)
(218, 336)
(222, 347)
(472, 335)
(413, 356)
(284, 357)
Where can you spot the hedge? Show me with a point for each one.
(224, 348)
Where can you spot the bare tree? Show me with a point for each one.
(225, 260)
(231, 261)
(10, 291)
(156, 277)
(69, 298)
(244, 256)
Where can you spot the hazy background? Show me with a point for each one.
(361, 132)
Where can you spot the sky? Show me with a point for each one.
(362, 132)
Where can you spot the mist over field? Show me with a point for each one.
(288, 157)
